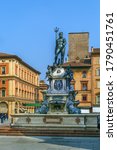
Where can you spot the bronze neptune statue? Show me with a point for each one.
(59, 48)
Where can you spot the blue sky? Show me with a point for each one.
(27, 27)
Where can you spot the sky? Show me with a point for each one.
(27, 27)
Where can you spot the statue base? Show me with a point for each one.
(55, 121)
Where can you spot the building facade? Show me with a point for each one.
(86, 69)
(19, 84)
(95, 81)
(42, 88)
(78, 45)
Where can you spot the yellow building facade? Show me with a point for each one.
(86, 69)
(19, 84)
(87, 81)
(95, 80)
(82, 83)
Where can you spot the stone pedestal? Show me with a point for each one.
(56, 121)
(58, 99)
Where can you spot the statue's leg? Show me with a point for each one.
(56, 55)
(62, 55)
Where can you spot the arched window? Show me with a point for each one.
(3, 82)
(3, 92)
(3, 70)
(84, 86)
(84, 74)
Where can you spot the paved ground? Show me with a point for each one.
(48, 143)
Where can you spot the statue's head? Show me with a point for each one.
(60, 34)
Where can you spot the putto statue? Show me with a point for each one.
(69, 77)
(72, 109)
(59, 48)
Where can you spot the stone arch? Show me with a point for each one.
(3, 107)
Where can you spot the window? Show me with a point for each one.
(3, 81)
(98, 72)
(3, 60)
(97, 99)
(3, 92)
(84, 86)
(16, 91)
(19, 72)
(84, 74)
(19, 92)
(22, 74)
(98, 84)
(84, 97)
(25, 94)
(25, 75)
(16, 70)
(34, 80)
(3, 70)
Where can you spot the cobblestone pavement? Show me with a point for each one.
(48, 143)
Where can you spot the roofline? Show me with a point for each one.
(24, 63)
(78, 32)
(78, 66)
(95, 47)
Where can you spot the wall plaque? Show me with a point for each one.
(52, 119)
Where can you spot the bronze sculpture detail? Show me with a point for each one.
(59, 48)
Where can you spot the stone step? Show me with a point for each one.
(46, 132)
